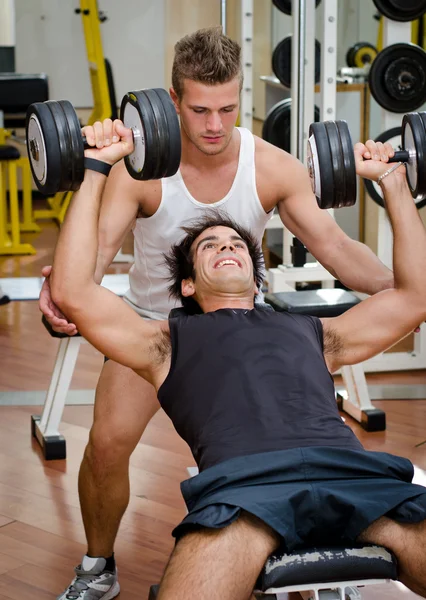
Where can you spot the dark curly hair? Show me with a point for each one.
(180, 258)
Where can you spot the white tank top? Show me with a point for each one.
(154, 236)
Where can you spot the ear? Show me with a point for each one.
(187, 288)
(175, 99)
(256, 289)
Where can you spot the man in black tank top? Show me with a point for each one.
(251, 392)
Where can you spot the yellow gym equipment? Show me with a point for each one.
(101, 97)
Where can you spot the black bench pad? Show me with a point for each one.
(9, 153)
(322, 565)
(318, 303)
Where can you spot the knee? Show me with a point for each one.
(109, 447)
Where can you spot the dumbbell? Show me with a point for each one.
(56, 145)
(331, 161)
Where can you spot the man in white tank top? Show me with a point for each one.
(222, 166)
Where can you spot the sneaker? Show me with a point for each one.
(92, 582)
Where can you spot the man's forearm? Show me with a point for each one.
(76, 252)
(358, 268)
(409, 233)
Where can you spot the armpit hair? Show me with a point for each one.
(161, 348)
(333, 343)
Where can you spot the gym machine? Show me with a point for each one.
(16, 92)
(101, 88)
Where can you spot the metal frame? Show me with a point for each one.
(394, 31)
(246, 112)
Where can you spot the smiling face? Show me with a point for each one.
(208, 113)
(223, 266)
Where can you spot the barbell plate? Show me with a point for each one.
(76, 144)
(349, 167)
(319, 149)
(361, 54)
(281, 61)
(397, 78)
(277, 124)
(413, 137)
(393, 136)
(174, 148)
(401, 10)
(285, 5)
(43, 148)
(364, 54)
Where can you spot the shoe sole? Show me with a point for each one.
(113, 592)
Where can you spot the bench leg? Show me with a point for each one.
(45, 428)
(358, 403)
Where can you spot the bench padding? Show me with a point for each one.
(317, 303)
(324, 565)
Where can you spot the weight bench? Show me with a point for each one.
(355, 399)
(322, 573)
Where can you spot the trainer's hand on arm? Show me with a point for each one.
(53, 314)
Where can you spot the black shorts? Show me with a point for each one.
(311, 497)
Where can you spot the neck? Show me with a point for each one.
(191, 155)
(212, 304)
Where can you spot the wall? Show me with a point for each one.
(50, 40)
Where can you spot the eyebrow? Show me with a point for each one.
(234, 238)
(207, 108)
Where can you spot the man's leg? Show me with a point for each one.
(124, 405)
(408, 542)
(219, 564)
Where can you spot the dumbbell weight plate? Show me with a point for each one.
(133, 113)
(401, 10)
(174, 146)
(393, 136)
(397, 78)
(152, 117)
(167, 132)
(320, 165)
(285, 5)
(281, 61)
(66, 157)
(43, 148)
(331, 164)
(76, 147)
(349, 167)
(414, 141)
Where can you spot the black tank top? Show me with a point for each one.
(249, 381)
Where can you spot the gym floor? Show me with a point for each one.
(41, 534)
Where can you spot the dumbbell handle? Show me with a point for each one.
(87, 146)
(400, 156)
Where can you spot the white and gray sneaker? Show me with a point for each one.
(92, 582)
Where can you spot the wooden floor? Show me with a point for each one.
(41, 534)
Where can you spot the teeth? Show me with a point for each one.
(227, 262)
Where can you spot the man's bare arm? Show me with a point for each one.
(382, 320)
(103, 318)
(121, 202)
(352, 262)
